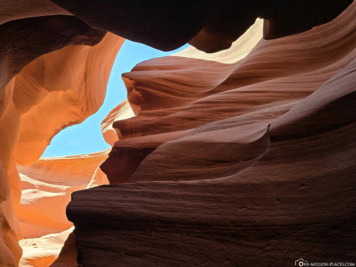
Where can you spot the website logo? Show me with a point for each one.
(301, 262)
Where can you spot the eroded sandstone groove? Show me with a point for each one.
(46, 84)
(242, 157)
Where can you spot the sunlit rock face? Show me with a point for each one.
(47, 83)
(232, 146)
(47, 185)
(240, 158)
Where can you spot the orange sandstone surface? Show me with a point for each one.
(53, 91)
(47, 185)
(243, 157)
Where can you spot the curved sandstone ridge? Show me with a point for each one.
(46, 190)
(121, 112)
(53, 73)
(242, 158)
(66, 99)
(49, 183)
(267, 79)
(222, 152)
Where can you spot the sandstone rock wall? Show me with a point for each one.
(52, 75)
(47, 185)
(242, 161)
(223, 150)
(257, 80)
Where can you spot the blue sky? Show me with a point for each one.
(87, 137)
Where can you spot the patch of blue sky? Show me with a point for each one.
(87, 137)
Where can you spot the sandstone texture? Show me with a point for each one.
(241, 157)
(208, 25)
(52, 75)
(47, 185)
(244, 157)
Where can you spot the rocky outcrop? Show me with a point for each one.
(18, 9)
(46, 84)
(201, 118)
(208, 25)
(121, 112)
(46, 190)
(49, 183)
(237, 82)
(240, 158)
(67, 99)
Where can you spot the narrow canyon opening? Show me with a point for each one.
(234, 147)
(71, 163)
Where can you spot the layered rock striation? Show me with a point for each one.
(52, 75)
(47, 185)
(227, 156)
(240, 158)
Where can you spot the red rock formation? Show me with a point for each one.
(121, 112)
(49, 183)
(18, 9)
(253, 86)
(208, 25)
(21, 42)
(211, 129)
(46, 189)
(245, 163)
(66, 99)
(40, 95)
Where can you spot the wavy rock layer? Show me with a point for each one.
(53, 73)
(67, 99)
(48, 183)
(241, 158)
(46, 190)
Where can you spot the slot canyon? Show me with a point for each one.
(239, 150)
